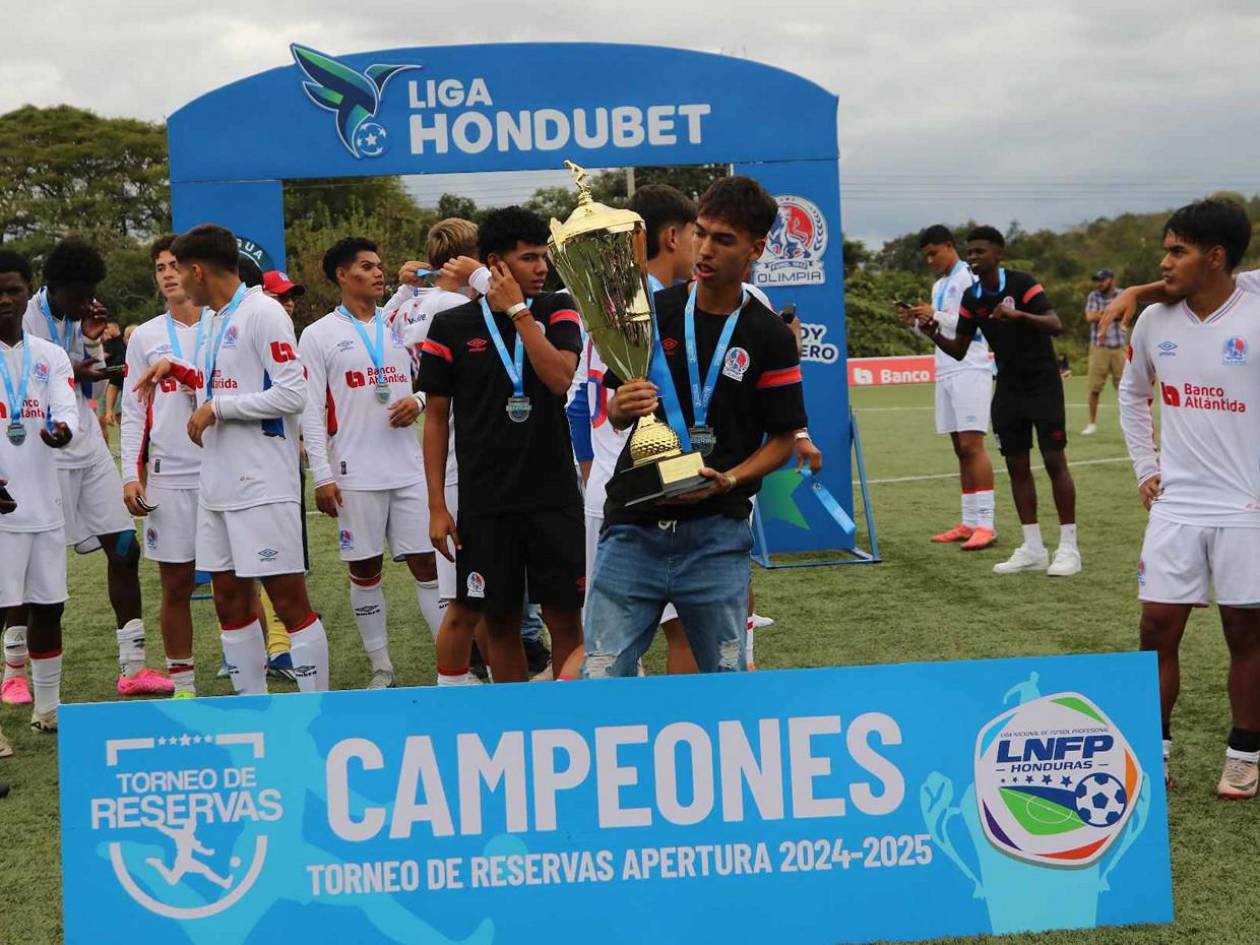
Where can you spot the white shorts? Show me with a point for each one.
(170, 530)
(593, 525)
(34, 570)
(260, 542)
(368, 519)
(962, 402)
(1179, 562)
(448, 584)
(91, 501)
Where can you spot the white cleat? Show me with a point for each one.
(381, 679)
(1067, 561)
(1090, 429)
(1024, 559)
(760, 623)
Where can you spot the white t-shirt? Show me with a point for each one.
(173, 459)
(88, 447)
(1209, 453)
(1249, 281)
(346, 428)
(31, 468)
(250, 455)
(947, 293)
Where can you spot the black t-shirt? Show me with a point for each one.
(503, 466)
(115, 354)
(757, 393)
(1025, 356)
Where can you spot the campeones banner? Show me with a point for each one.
(811, 806)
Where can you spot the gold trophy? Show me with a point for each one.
(601, 254)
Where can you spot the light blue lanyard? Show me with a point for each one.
(17, 398)
(939, 301)
(829, 503)
(212, 349)
(377, 353)
(176, 348)
(702, 396)
(978, 288)
(514, 365)
(67, 339)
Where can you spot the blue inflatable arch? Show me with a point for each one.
(515, 107)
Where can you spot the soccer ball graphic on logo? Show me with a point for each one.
(1101, 799)
(370, 139)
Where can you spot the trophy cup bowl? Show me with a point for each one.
(600, 252)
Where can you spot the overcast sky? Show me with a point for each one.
(1048, 112)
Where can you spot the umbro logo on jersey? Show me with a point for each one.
(477, 345)
(345, 345)
(1168, 349)
(267, 554)
(669, 344)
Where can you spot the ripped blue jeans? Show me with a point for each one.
(700, 566)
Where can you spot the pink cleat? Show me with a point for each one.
(146, 682)
(15, 691)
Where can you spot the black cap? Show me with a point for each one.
(1102, 274)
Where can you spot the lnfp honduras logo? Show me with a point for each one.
(795, 246)
(736, 364)
(186, 841)
(355, 97)
(1235, 351)
(1056, 781)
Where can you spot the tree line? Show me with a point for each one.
(67, 172)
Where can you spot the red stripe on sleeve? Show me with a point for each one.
(780, 378)
(330, 412)
(436, 348)
(185, 374)
(1031, 293)
(143, 459)
(565, 315)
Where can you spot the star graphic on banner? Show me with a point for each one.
(1046, 779)
(161, 741)
(1066, 781)
(1029, 779)
(185, 741)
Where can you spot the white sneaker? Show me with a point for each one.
(1067, 561)
(1090, 429)
(760, 623)
(5, 748)
(381, 679)
(1024, 559)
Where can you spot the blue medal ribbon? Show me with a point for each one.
(978, 289)
(658, 374)
(173, 337)
(17, 397)
(514, 364)
(375, 352)
(701, 397)
(829, 503)
(212, 349)
(67, 337)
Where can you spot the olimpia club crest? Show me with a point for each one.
(355, 97)
(1056, 781)
(795, 246)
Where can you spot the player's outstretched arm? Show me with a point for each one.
(271, 335)
(1136, 421)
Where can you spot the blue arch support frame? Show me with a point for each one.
(514, 107)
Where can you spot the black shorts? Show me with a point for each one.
(1016, 414)
(501, 553)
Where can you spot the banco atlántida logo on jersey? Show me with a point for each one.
(186, 837)
(1056, 781)
(354, 97)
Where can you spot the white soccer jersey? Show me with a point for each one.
(250, 454)
(156, 436)
(1209, 385)
(86, 448)
(345, 426)
(947, 293)
(607, 441)
(31, 468)
(1249, 281)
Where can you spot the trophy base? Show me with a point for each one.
(663, 478)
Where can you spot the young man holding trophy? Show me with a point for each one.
(726, 380)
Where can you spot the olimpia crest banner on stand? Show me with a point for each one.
(516, 107)
(807, 806)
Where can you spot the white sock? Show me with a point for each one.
(131, 647)
(367, 600)
(1067, 536)
(432, 607)
(1251, 756)
(983, 500)
(1167, 748)
(15, 653)
(456, 678)
(1032, 537)
(310, 655)
(246, 656)
(181, 673)
(969, 509)
(46, 676)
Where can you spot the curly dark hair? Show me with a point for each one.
(73, 263)
(343, 252)
(11, 261)
(990, 234)
(502, 229)
(162, 245)
(741, 202)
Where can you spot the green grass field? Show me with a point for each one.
(922, 603)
